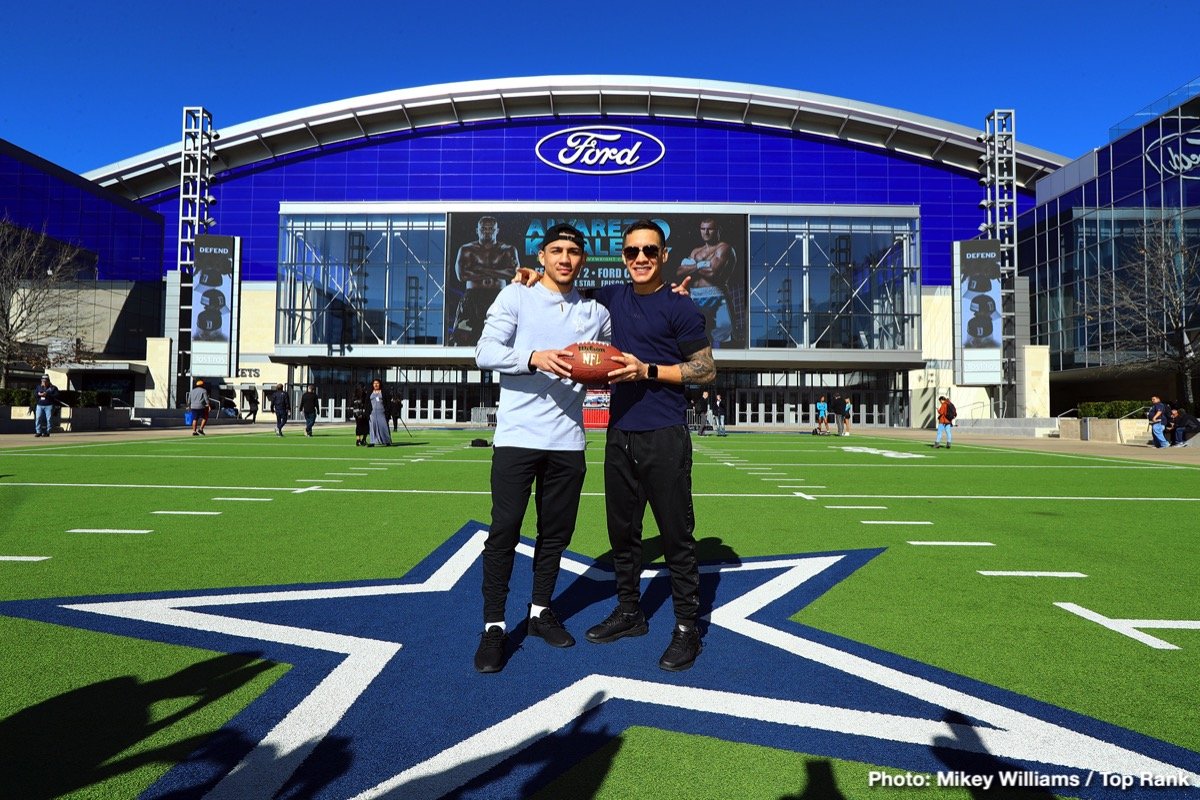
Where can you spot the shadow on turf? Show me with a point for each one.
(821, 784)
(539, 761)
(965, 752)
(581, 594)
(75, 740)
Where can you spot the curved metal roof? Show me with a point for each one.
(567, 96)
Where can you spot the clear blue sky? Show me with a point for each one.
(85, 84)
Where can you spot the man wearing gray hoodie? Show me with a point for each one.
(539, 433)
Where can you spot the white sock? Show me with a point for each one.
(499, 625)
(536, 610)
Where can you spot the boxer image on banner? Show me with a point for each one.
(485, 266)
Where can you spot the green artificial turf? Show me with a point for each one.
(924, 603)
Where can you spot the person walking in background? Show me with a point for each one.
(252, 406)
(702, 418)
(45, 399)
(719, 414)
(360, 410)
(1157, 417)
(822, 415)
(198, 405)
(281, 404)
(946, 413)
(395, 409)
(846, 412)
(837, 415)
(308, 407)
(378, 425)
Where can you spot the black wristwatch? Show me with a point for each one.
(652, 372)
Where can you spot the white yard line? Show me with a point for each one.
(1038, 497)
(211, 488)
(24, 558)
(894, 522)
(1132, 627)
(189, 513)
(863, 508)
(110, 530)
(1028, 574)
(246, 499)
(953, 544)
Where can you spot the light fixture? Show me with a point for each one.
(986, 203)
(984, 227)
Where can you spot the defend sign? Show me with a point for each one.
(978, 354)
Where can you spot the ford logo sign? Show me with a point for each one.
(1176, 154)
(600, 150)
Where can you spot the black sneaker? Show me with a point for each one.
(195, 433)
(202, 433)
(490, 656)
(619, 624)
(546, 626)
(682, 651)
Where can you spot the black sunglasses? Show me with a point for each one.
(651, 251)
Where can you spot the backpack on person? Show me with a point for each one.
(951, 411)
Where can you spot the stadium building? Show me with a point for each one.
(360, 238)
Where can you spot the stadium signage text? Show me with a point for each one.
(600, 150)
(1177, 154)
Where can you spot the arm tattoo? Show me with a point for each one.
(699, 368)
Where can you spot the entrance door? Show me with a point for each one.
(436, 403)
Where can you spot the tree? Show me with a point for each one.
(40, 323)
(1155, 309)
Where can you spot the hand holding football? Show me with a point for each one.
(592, 361)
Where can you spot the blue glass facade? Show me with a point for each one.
(1097, 299)
(704, 163)
(126, 238)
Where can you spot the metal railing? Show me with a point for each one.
(1139, 412)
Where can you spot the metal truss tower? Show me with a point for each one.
(998, 166)
(197, 151)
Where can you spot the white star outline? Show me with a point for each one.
(1014, 734)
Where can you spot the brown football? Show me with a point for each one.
(592, 361)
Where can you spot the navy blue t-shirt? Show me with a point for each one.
(659, 328)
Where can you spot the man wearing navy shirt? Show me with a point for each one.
(648, 453)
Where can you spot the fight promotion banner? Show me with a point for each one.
(484, 249)
(977, 334)
(213, 301)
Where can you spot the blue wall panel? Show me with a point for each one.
(128, 240)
